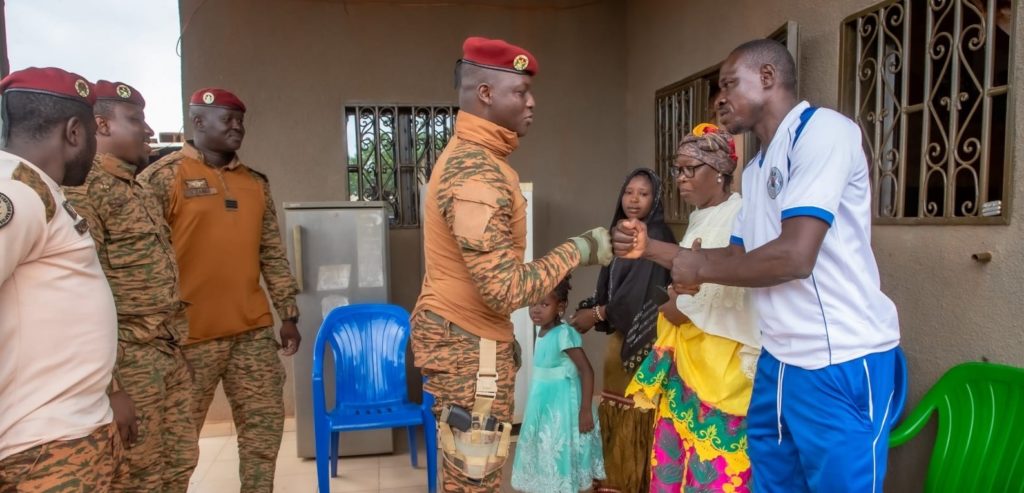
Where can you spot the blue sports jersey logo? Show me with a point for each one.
(775, 182)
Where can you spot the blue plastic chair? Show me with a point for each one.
(368, 343)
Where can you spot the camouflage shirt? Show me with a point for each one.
(133, 243)
(475, 235)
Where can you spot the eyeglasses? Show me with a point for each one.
(687, 171)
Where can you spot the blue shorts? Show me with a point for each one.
(824, 430)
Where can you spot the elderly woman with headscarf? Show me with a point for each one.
(625, 307)
(699, 376)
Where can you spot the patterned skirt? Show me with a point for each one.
(697, 447)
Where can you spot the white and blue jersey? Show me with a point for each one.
(830, 380)
(815, 166)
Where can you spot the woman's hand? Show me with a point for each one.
(583, 320)
(671, 310)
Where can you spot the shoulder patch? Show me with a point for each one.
(6, 210)
(475, 204)
(479, 192)
(31, 178)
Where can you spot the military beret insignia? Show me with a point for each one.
(221, 98)
(521, 62)
(82, 87)
(51, 81)
(498, 54)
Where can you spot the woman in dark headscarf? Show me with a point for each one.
(625, 306)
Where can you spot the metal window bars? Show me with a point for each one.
(928, 82)
(391, 151)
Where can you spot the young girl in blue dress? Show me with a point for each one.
(559, 446)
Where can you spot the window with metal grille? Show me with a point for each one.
(677, 109)
(391, 150)
(928, 83)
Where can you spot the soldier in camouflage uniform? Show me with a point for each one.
(475, 237)
(225, 234)
(58, 324)
(134, 246)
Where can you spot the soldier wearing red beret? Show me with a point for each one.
(474, 239)
(134, 246)
(58, 324)
(226, 236)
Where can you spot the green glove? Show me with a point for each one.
(595, 247)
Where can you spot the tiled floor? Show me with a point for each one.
(217, 471)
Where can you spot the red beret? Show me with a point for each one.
(499, 55)
(211, 96)
(52, 81)
(118, 91)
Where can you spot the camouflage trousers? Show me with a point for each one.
(86, 464)
(253, 377)
(449, 357)
(167, 449)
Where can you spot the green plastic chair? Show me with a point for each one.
(980, 441)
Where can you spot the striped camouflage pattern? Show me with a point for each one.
(274, 265)
(471, 181)
(85, 464)
(167, 449)
(495, 262)
(31, 178)
(253, 377)
(133, 245)
(449, 357)
(133, 242)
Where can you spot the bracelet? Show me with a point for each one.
(597, 313)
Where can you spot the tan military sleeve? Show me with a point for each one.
(477, 205)
(83, 205)
(158, 181)
(273, 260)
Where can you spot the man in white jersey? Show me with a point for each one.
(826, 387)
(58, 324)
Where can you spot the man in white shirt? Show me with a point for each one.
(826, 385)
(58, 324)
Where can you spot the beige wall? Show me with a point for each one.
(952, 309)
(296, 63)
